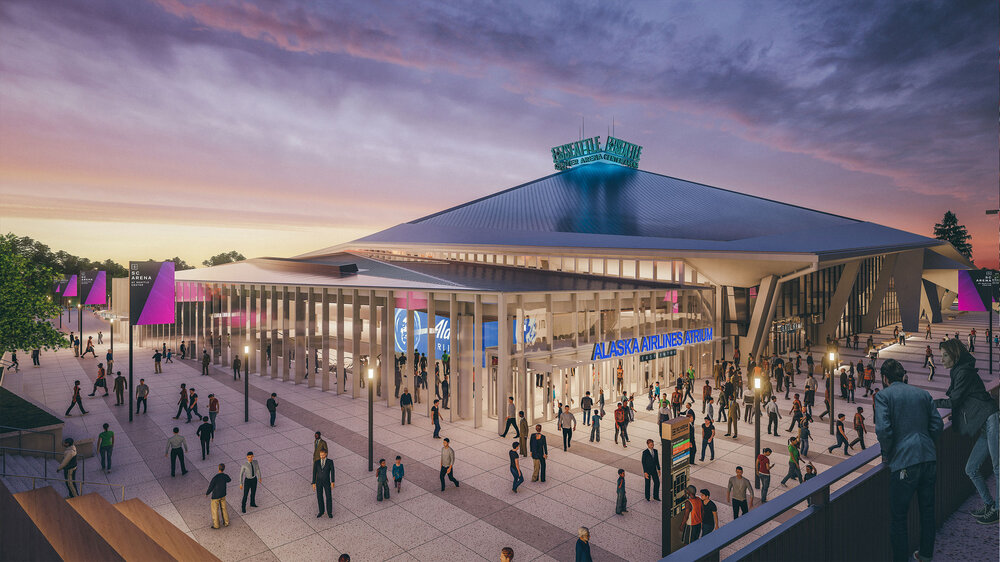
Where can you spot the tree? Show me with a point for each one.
(226, 257)
(181, 264)
(950, 231)
(25, 301)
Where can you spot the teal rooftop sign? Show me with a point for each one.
(590, 150)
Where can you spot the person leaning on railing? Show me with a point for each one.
(907, 423)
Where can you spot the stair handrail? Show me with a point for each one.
(80, 483)
(22, 429)
(45, 467)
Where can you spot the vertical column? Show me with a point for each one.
(312, 350)
(272, 324)
(286, 334)
(325, 344)
(373, 348)
(388, 347)
(637, 332)
(455, 382)
(411, 363)
(355, 344)
(503, 360)
(520, 382)
(431, 348)
(253, 323)
(478, 370)
(341, 371)
(300, 335)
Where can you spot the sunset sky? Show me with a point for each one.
(133, 129)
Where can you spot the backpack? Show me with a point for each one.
(620, 416)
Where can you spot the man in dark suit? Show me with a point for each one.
(651, 469)
(323, 480)
(539, 452)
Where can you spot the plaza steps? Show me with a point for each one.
(40, 525)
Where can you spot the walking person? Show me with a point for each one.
(206, 434)
(522, 426)
(583, 545)
(907, 424)
(859, 427)
(405, 407)
(157, 357)
(120, 385)
(595, 425)
(739, 490)
(141, 393)
(217, 489)
(515, 467)
(773, 415)
(804, 438)
(90, 348)
(707, 438)
(101, 381)
(35, 355)
(76, 400)
(690, 527)
(733, 426)
(106, 445)
(567, 423)
(236, 367)
(382, 481)
(447, 463)
(764, 466)
(193, 405)
(793, 461)
(974, 413)
(841, 436)
(182, 402)
(436, 419)
(176, 447)
(183, 349)
(272, 407)
(68, 466)
(621, 502)
(213, 409)
(323, 480)
(586, 404)
(511, 420)
(651, 469)
(706, 395)
(205, 360)
(796, 413)
(539, 453)
(319, 445)
(249, 478)
(397, 473)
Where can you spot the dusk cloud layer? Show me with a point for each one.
(202, 121)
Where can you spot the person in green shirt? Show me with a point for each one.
(793, 461)
(105, 444)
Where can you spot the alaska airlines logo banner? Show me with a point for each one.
(151, 292)
(94, 287)
(631, 346)
(442, 332)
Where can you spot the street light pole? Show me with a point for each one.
(829, 390)
(79, 318)
(371, 421)
(756, 423)
(246, 385)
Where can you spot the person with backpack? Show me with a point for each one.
(620, 422)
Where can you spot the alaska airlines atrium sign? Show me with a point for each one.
(590, 150)
(631, 346)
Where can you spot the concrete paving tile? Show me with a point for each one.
(481, 537)
(402, 527)
(445, 549)
(628, 545)
(361, 541)
(312, 547)
(288, 485)
(235, 542)
(277, 525)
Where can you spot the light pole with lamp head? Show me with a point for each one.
(756, 428)
(829, 389)
(246, 385)
(79, 318)
(371, 422)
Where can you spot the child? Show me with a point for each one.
(595, 425)
(621, 505)
(170, 356)
(397, 473)
(382, 482)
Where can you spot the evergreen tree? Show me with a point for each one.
(950, 231)
(26, 303)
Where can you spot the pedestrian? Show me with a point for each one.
(236, 367)
(169, 356)
(90, 348)
(436, 419)
(382, 480)
(35, 355)
(506, 554)
(100, 337)
(595, 424)
(445, 391)
(76, 400)
(272, 407)
(651, 469)
(691, 522)
(120, 385)
(405, 407)
(586, 404)
(841, 436)
(101, 381)
(183, 349)
(773, 415)
(583, 545)
(141, 393)
(974, 413)
(213, 409)
(795, 412)
(206, 434)
(706, 395)
(217, 488)
(859, 427)
(709, 513)
(182, 402)
(68, 466)
(157, 356)
(515, 466)
(511, 420)
(907, 424)
(397, 380)
(319, 445)
(567, 423)
(539, 453)
(764, 466)
(793, 461)
(733, 426)
(250, 476)
(105, 445)
(193, 405)
(397, 473)
(739, 490)
(621, 503)
(447, 463)
(707, 438)
(693, 450)
(804, 438)
(323, 480)
(205, 360)
(711, 407)
(522, 426)
(620, 417)
(176, 447)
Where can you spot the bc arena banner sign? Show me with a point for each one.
(69, 290)
(94, 287)
(631, 346)
(151, 293)
(976, 289)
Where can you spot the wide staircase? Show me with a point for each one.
(39, 524)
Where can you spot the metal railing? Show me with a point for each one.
(79, 484)
(4, 451)
(20, 432)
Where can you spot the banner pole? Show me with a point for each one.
(131, 381)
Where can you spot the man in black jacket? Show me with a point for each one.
(206, 433)
(217, 487)
(651, 469)
(322, 482)
(539, 452)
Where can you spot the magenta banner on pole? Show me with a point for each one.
(94, 287)
(70, 290)
(151, 293)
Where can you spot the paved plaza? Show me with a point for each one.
(472, 522)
